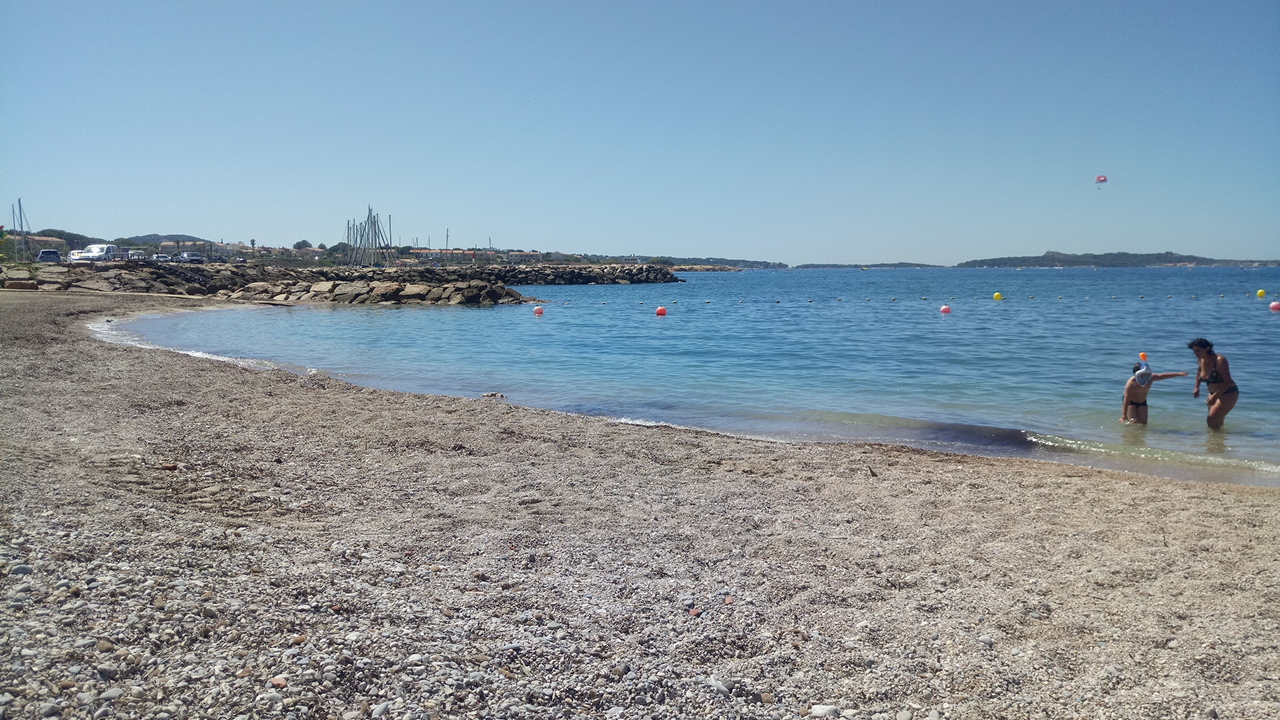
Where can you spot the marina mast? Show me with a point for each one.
(368, 243)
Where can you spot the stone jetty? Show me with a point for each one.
(482, 285)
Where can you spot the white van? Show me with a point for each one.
(100, 253)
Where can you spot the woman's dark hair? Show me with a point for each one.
(1200, 343)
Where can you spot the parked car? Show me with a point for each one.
(161, 257)
(238, 260)
(52, 256)
(137, 255)
(100, 253)
(191, 257)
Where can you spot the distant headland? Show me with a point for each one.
(1115, 259)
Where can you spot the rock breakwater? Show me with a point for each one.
(437, 286)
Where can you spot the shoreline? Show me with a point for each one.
(914, 432)
(182, 534)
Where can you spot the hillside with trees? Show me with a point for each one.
(74, 241)
(1115, 259)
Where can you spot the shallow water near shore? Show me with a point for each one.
(829, 355)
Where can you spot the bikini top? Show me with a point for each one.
(1215, 377)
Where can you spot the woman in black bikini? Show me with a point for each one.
(1216, 371)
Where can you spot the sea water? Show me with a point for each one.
(839, 354)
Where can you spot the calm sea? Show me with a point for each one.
(830, 355)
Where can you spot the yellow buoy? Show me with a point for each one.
(997, 296)
(1262, 293)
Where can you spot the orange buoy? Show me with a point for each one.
(662, 311)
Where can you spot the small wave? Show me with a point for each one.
(1155, 455)
(118, 333)
(643, 423)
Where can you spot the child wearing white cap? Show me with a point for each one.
(1135, 392)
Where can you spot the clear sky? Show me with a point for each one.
(793, 131)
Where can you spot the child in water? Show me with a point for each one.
(1135, 393)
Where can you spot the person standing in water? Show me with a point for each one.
(1135, 393)
(1216, 371)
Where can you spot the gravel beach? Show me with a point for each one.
(187, 538)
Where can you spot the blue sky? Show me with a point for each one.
(800, 132)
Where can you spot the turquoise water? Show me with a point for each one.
(829, 355)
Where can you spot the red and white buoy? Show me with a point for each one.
(537, 310)
(662, 312)
(945, 309)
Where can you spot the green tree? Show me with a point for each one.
(253, 244)
(321, 247)
(405, 249)
(340, 249)
(301, 245)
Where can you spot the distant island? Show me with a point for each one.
(1115, 259)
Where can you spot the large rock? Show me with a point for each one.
(383, 291)
(21, 285)
(94, 283)
(351, 288)
(416, 291)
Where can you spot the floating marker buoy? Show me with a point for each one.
(1033, 297)
(662, 311)
(893, 299)
(1059, 297)
(1142, 357)
(1142, 297)
(945, 309)
(997, 296)
(1275, 306)
(924, 298)
(1262, 293)
(537, 310)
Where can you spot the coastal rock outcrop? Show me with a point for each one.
(482, 285)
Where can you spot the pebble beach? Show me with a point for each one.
(187, 538)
